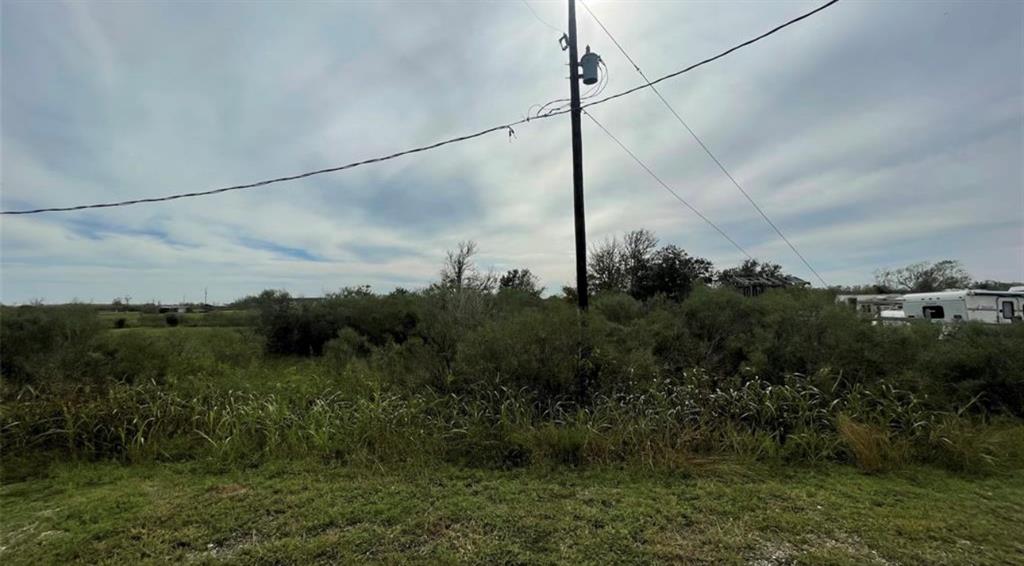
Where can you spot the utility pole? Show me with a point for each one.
(582, 293)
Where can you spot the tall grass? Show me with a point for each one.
(667, 424)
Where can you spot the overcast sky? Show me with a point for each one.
(875, 134)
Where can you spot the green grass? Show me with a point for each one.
(307, 512)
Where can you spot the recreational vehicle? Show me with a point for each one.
(993, 307)
(872, 305)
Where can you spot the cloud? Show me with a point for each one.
(874, 135)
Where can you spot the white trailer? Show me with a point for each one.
(992, 307)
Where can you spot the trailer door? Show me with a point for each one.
(1007, 311)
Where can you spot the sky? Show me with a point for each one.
(874, 134)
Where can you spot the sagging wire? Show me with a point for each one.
(546, 109)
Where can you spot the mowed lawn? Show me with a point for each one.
(302, 512)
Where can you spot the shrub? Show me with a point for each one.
(347, 346)
(303, 327)
(38, 343)
(172, 320)
(976, 361)
(618, 308)
(536, 349)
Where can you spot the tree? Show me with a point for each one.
(924, 277)
(638, 248)
(605, 267)
(520, 280)
(672, 272)
(121, 303)
(991, 285)
(752, 268)
(615, 265)
(460, 270)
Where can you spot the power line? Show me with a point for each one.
(772, 31)
(507, 127)
(705, 147)
(503, 127)
(666, 187)
(540, 19)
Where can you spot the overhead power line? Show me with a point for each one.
(540, 19)
(503, 127)
(507, 127)
(666, 187)
(704, 146)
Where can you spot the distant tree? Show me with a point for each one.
(638, 248)
(246, 302)
(991, 285)
(569, 294)
(752, 268)
(605, 269)
(461, 272)
(670, 271)
(925, 277)
(356, 291)
(615, 265)
(872, 289)
(520, 280)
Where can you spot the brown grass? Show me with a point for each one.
(869, 445)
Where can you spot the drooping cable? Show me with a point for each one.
(503, 127)
(706, 149)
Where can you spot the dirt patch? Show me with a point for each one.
(229, 490)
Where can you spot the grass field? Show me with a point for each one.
(201, 443)
(132, 319)
(304, 512)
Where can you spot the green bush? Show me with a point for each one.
(303, 327)
(976, 361)
(348, 346)
(618, 308)
(536, 349)
(42, 343)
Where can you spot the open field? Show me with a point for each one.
(134, 319)
(305, 512)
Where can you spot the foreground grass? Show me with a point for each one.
(312, 513)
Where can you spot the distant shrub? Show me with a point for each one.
(120, 323)
(347, 346)
(300, 327)
(172, 319)
(46, 342)
(132, 357)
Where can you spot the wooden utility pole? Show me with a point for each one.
(582, 293)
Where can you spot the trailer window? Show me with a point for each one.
(934, 312)
(1008, 309)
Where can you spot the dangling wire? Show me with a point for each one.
(547, 108)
